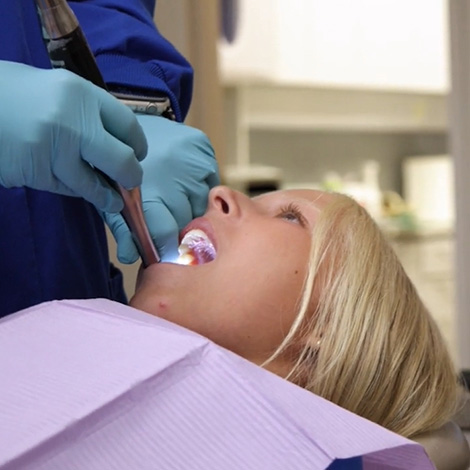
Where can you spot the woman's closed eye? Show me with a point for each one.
(292, 213)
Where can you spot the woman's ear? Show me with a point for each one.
(311, 347)
(308, 348)
(314, 341)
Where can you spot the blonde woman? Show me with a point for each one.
(304, 284)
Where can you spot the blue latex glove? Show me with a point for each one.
(179, 171)
(54, 125)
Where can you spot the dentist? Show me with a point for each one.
(55, 127)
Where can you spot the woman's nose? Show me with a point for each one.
(225, 201)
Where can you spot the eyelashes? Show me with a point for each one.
(292, 213)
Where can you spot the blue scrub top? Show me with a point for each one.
(53, 246)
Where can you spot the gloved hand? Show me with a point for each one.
(54, 125)
(179, 171)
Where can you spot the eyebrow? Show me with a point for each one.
(304, 204)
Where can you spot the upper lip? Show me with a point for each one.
(200, 223)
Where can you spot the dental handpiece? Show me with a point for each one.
(68, 48)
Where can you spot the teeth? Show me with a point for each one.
(195, 236)
(195, 248)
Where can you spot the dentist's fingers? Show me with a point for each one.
(164, 228)
(122, 123)
(126, 250)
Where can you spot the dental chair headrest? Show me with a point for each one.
(447, 447)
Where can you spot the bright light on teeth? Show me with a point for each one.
(195, 248)
(185, 259)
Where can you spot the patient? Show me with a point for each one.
(304, 284)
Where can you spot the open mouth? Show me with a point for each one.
(196, 249)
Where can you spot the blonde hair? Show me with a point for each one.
(371, 345)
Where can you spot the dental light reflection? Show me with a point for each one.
(195, 248)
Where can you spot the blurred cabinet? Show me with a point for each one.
(428, 261)
(274, 107)
(386, 44)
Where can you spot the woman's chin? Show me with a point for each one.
(157, 284)
(152, 304)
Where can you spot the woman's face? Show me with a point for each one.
(248, 296)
